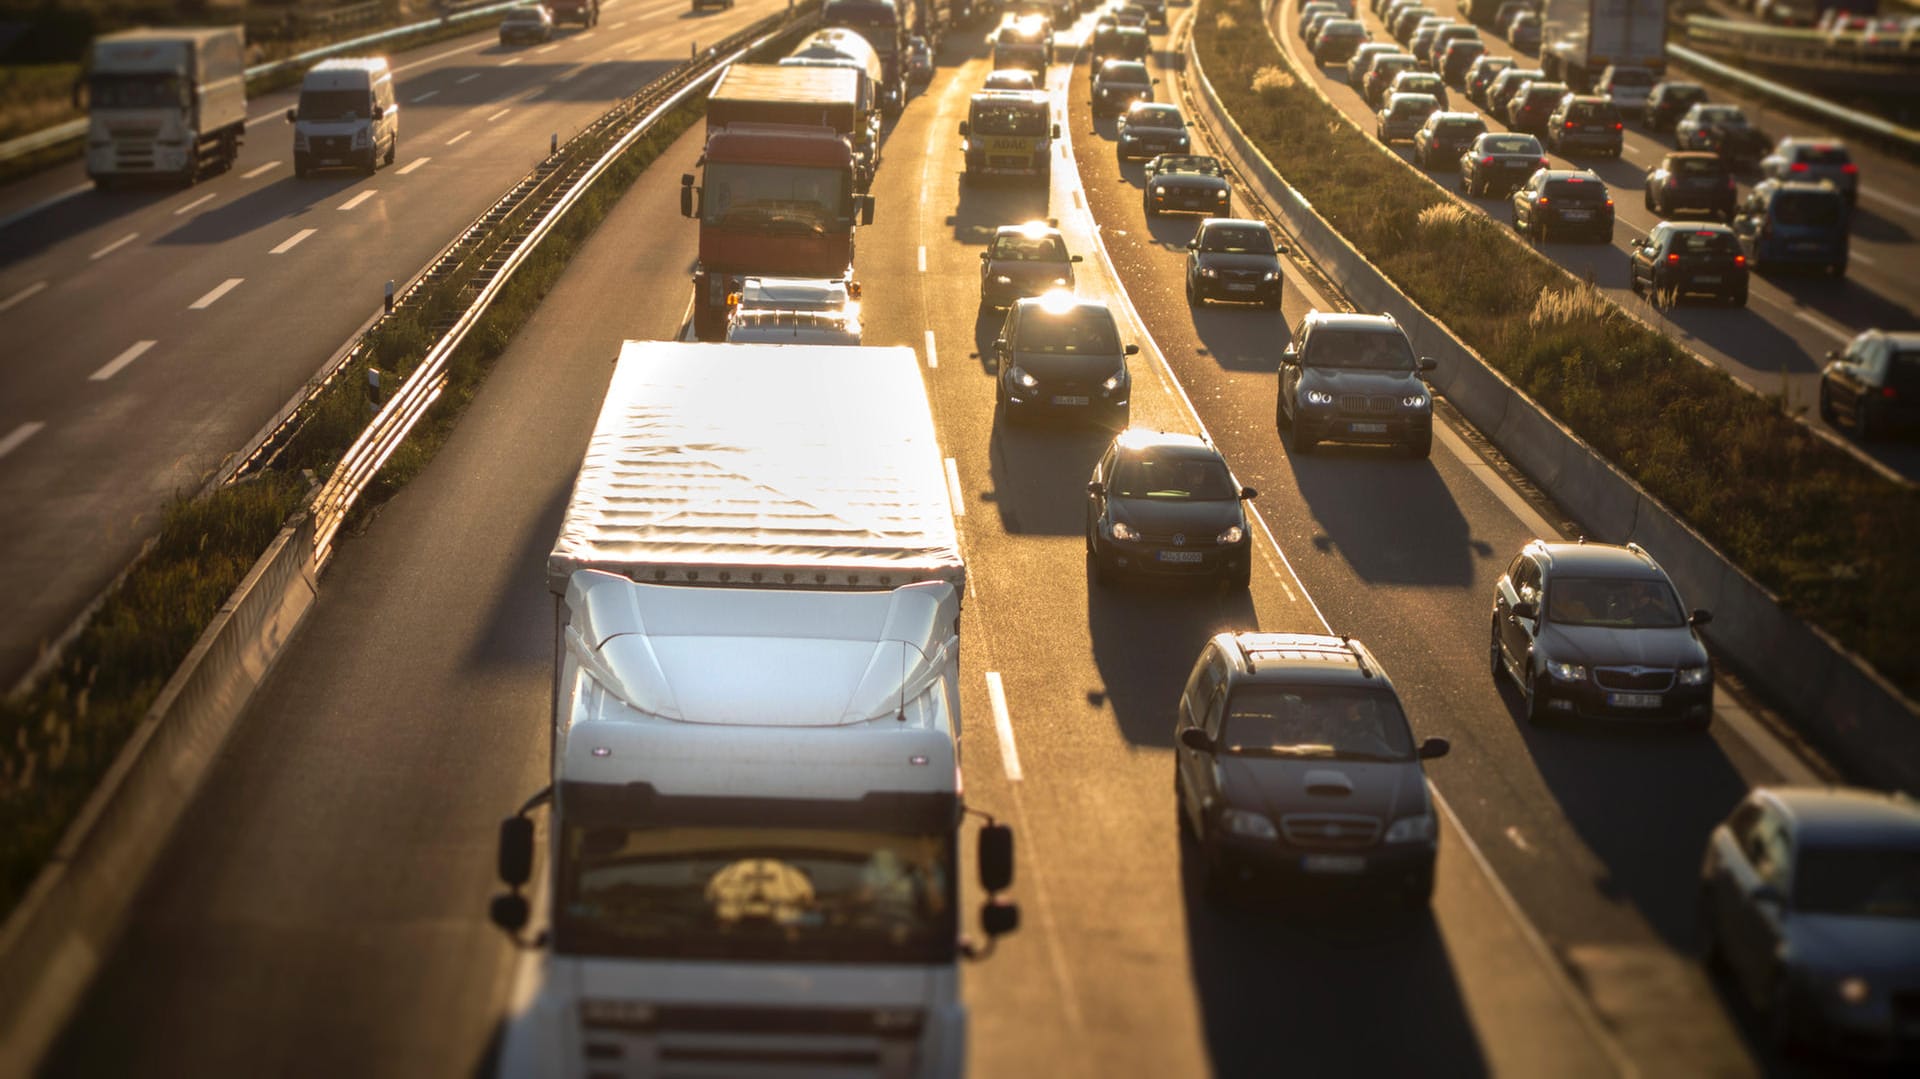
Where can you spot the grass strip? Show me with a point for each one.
(57, 741)
(1826, 534)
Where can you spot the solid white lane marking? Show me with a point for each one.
(568, 74)
(292, 241)
(20, 297)
(460, 136)
(19, 435)
(933, 354)
(360, 198)
(423, 97)
(213, 296)
(1823, 325)
(51, 200)
(499, 114)
(466, 79)
(1862, 259)
(1003, 725)
(411, 165)
(442, 56)
(953, 489)
(118, 363)
(260, 170)
(114, 246)
(510, 63)
(923, 258)
(201, 201)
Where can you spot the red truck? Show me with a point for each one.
(777, 193)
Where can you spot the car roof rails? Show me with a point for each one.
(1359, 655)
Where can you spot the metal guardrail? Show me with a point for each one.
(1858, 122)
(73, 129)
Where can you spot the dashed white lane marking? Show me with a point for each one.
(360, 198)
(1823, 325)
(201, 201)
(1898, 204)
(213, 296)
(544, 49)
(499, 114)
(933, 354)
(464, 79)
(114, 246)
(260, 170)
(292, 241)
(423, 97)
(1003, 725)
(923, 258)
(22, 296)
(619, 24)
(119, 363)
(510, 63)
(19, 435)
(436, 57)
(411, 165)
(1862, 259)
(460, 136)
(568, 74)
(953, 489)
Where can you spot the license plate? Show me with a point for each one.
(1179, 556)
(1520, 165)
(1367, 428)
(1239, 288)
(1576, 215)
(1334, 863)
(1707, 279)
(1633, 700)
(1060, 400)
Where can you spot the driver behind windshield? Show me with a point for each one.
(1357, 725)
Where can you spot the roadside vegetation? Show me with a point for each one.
(1825, 533)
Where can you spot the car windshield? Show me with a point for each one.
(1392, 64)
(1173, 478)
(1620, 602)
(1085, 331)
(1860, 882)
(1512, 144)
(1459, 129)
(1527, 21)
(1810, 208)
(1417, 84)
(776, 199)
(1008, 119)
(1196, 165)
(1361, 350)
(1021, 248)
(1010, 80)
(1237, 240)
(522, 15)
(1127, 71)
(1679, 93)
(335, 104)
(765, 893)
(1155, 116)
(1696, 166)
(1315, 721)
(1413, 106)
(1632, 76)
(134, 92)
(1722, 116)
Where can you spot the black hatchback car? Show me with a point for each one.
(1586, 123)
(1687, 258)
(1563, 201)
(1874, 386)
(1353, 378)
(1162, 504)
(1689, 180)
(1294, 766)
(1439, 142)
(1532, 106)
(1024, 260)
(1061, 356)
(1500, 163)
(1590, 629)
(1231, 258)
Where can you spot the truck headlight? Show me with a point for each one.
(1123, 531)
(363, 137)
(1695, 676)
(1854, 991)
(1249, 825)
(1318, 397)
(1021, 378)
(1159, 192)
(1002, 279)
(1233, 534)
(1420, 829)
(1567, 672)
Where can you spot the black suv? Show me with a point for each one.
(1590, 629)
(1691, 180)
(1294, 764)
(1164, 504)
(1353, 378)
(1585, 123)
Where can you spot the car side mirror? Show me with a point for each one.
(1193, 245)
(984, 256)
(1526, 608)
(1833, 354)
(1700, 617)
(1279, 249)
(1428, 363)
(996, 858)
(1290, 356)
(1768, 894)
(965, 129)
(1074, 258)
(1197, 740)
(1248, 494)
(516, 850)
(866, 209)
(1133, 350)
(292, 115)
(1434, 748)
(1056, 131)
(1000, 345)
(1095, 487)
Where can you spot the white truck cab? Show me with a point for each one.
(164, 104)
(346, 118)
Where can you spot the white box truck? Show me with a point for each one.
(1580, 39)
(754, 833)
(169, 104)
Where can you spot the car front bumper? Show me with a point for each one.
(1680, 704)
(1199, 200)
(1405, 868)
(1068, 404)
(1372, 428)
(1148, 558)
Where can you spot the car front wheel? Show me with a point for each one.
(1496, 664)
(1536, 703)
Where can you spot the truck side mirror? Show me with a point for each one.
(516, 850)
(1526, 608)
(1248, 494)
(509, 912)
(1428, 363)
(965, 129)
(1095, 487)
(866, 209)
(293, 114)
(1279, 249)
(996, 858)
(1056, 131)
(687, 199)
(998, 917)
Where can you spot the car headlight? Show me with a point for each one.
(1159, 192)
(1420, 829)
(1208, 271)
(1249, 825)
(1220, 194)
(1114, 381)
(1414, 400)
(1002, 279)
(1695, 676)
(1063, 282)
(1180, 140)
(1021, 378)
(1854, 991)
(1121, 530)
(1271, 275)
(1233, 534)
(1318, 397)
(1567, 672)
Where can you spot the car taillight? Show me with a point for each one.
(1739, 260)
(1617, 127)
(1673, 182)
(1543, 162)
(1487, 160)
(1797, 166)
(1673, 259)
(1609, 204)
(1732, 184)
(1850, 168)
(1889, 393)
(1570, 125)
(1543, 200)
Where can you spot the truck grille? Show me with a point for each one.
(331, 145)
(1330, 831)
(1636, 679)
(622, 1039)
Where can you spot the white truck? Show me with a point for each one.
(754, 837)
(167, 104)
(1580, 39)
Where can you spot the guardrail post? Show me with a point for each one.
(373, 385)
(389, 296)
(693, 50)
(553, 144)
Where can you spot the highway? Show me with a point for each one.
(151, 333)
(1779, 342)
(321, 910)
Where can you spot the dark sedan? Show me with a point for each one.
(1810, 903)
(1166, 505)
(1480, 76)
(1688, 180)
(1234, 259)
(1383, 72)
(1563, 201)
(1190, 182)
(1505, 85)
(1024, 260)
(1148, 130)
(1440, 141)
(1724, 130)
(1500, 162)
(1685, 258)
(1363, 58)
(1119, 84)
(1061, 356)
(1590, 629)
(1533, 104)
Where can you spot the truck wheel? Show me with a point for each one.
(300, 167)
(393, 149)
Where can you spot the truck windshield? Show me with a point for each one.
(767, 894)
(335, 105)
(1009, 120)
(134, 91)
(777, 199)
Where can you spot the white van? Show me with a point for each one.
(346, 118)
